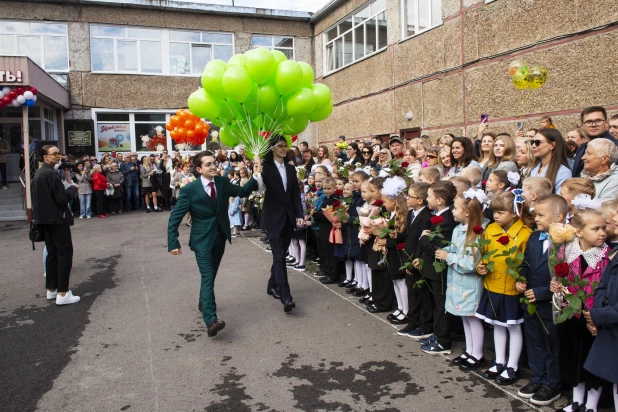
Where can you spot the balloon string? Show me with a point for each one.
(523, 102)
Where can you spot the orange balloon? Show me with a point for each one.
(175, 120)
(206, 126)
(169, 127)
(189, 124)
(174, 134)
(181, 132)
(199, 128)
(190, 135)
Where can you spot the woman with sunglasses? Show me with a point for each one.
(354, 154)
(462, 155)
(367, 157)
(432, 156)
(551, 157)
(384, 156)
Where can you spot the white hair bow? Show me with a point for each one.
(584, 201)
(513, 178)
(383, 173)
(477, 194)
(393, 186)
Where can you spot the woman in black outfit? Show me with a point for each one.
(354, 154)
(367, 156)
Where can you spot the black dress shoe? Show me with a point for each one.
(373, 308)
(403, 321)
(344, 283)
(288, 306)
(393, 315)
(512, 377)
(360, 292)
(328, 281)
(214, 327)
(461, 358)
(273, 292)
(493, 375)
(351, 291)
(364, 299)
(353, 284)
(471, 364)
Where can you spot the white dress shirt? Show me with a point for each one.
(442, 211)
(205, 184)
(416, 213)
(283, 173)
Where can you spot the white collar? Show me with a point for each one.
(282, 164)
(206, 182)
(441, 211)
(592, 256)
(417, 212)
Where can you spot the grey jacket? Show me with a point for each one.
(85, 183)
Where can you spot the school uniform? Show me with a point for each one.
(350, 248)
(328, 251)
(382, 291)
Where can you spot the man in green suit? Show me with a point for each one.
(207, 200)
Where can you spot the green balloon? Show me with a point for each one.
(301, 103)
(237, 60)
(218, 122)
(237, 83)
(211, 81)
(319, 115)
(231, 109)
(261, 65)
(288, 77)
(204, 105)
(308, 75)
(268, 97)
(251, 104)
(279, 56)
(322, 95)
(217, 63)
(278, 114)
(227, 137)
(295, 125)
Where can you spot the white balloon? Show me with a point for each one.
(21, 99)
(15, 103)
(6, 90)
(34, 97)
(1, 94)
(28, 95)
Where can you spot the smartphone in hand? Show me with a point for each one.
(484, 118)
(520, 126)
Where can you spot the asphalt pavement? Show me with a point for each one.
(136, 341)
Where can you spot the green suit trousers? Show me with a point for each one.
(208, 262)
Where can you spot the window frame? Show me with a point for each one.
(352, 30)
(416, 14)
(200, 43)
(273, 47)
(41, 41)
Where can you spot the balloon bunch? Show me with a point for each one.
(525, 76)
(20, 96)
(259, 93)
(187, 129)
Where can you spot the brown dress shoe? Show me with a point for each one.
(214, 327)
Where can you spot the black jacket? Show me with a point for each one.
(324, 224)
(50, 199)
(578, 164)
(280, 206)
(427, 248)
(536, 271)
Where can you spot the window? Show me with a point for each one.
(420, 15)
(283, 44)
(45, 43)
(145, 124)
(125, 49)
(358, 36)
(190, 51)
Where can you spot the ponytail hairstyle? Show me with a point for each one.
(475, 215)
(505, 202)
(377, 182)
(502, 177)
(394, 189)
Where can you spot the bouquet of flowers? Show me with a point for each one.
(330, 213)
(364, 220)
(341, 211)
(301, 172)
(186, 180)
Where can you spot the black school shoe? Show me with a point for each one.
(471, 364)
(545, 396)
(529, 390)
(344, 284)
(512, 377)
(493, 375)
(461, 358)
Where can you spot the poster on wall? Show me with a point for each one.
(114, 137)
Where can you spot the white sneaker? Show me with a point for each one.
(51, 295)
(67, 299)
(44, 274)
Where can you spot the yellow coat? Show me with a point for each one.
(498, 281)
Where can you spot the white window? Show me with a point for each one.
(44, 42)
(360, 35)
(283, 44)
(420, 15)
(190, 51)
(125, 49)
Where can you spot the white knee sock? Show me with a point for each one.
(615, 397)
(359, 274)
(349, 266)
(478, 336)
(579, 393)
(398, 296)
(499, 345)
(246, 219)
(403, 292)
(593, 399)
(467, 334)
(368, 272)
(516, 343)
(302, 252)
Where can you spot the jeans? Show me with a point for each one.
(85, 205)
(45, 259)
(132, 192)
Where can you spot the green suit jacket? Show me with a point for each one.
(206, 216)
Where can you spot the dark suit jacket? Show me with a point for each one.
(578, 164)
(207, 218)
(280, 206)
(427, 248)
(536, 271)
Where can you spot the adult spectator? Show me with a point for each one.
(531, 133)
(308, 161)
(99, 184)
(303, 146)
(395, 144)
(446, 140)
(525, 156)
(367, 156)
(432, 156)
(384, 156)
(600, 167)
(487, 159)
(297, 154)
(551, 157)
(504, 151)
(323, 156)
(577, 136)
(354, 154)
(375, 140)
(444, 159)
(546, 123)
(414, 165)
(5, 148)
(150, 183)
(84, 190)
(129, 170)
(50, 199)
(462, 155)
(613, 126)
(421, 146)
(594, 125)
(339, 154)
(116, 179)
(106, 161)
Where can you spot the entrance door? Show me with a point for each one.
(12, 133)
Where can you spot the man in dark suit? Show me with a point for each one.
(282, 211)
(207, 200)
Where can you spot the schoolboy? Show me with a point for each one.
(534, 188)
(429, 175)
(440, 196)
(461, 183)
(419, 217)
(573, 187)
(340, 183)
(473, 173)
(328, 259)
(541, 334)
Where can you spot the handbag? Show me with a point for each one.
(35, 234)
(109, 190)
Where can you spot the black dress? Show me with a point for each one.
(382, 290)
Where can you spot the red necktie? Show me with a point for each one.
(213, 193)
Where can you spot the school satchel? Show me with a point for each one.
(35, 234)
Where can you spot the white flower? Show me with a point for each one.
(584, 201)
(513, 178)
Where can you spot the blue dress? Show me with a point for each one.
(235, 212)
(464, 287)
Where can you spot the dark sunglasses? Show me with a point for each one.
(366, 152)
(432, 156)
(536, 142)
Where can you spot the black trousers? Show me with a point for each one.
(114, 204)
(99, 196)
(443, 322)
(383, 291)
(420, 305)
(279, 243)
(543, 349)
(59, 256)
(328, 261)
(3, 172)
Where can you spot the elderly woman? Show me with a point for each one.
(116, 179)
(600, 167)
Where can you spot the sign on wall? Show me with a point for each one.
(77, 138)
(8, 76)
(113, 137)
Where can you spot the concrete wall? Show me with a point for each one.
(450, 75)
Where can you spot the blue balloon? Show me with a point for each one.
(29, 103)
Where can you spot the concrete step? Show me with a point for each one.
(5, 195)
(11, 215)
(13, 219)
(11, 207)
(4, 202)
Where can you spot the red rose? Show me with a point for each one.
(478, 230)
(338, 192)
(336, 203)
(314, 189)
(504, 240)
(436, 220)
(562, 269)
(401, 246)
(404, 164)
(378, 202)
(400, 155)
